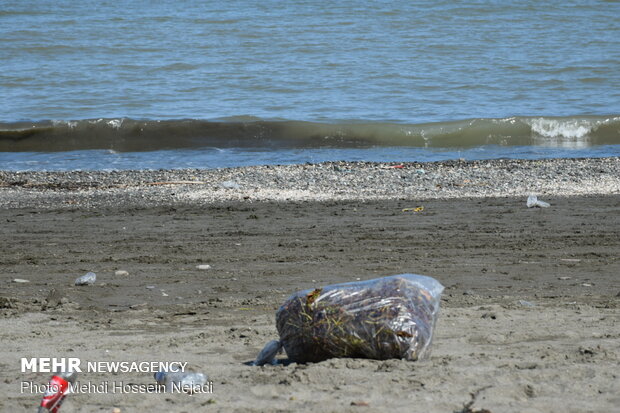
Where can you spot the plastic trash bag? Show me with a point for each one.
(390, 317)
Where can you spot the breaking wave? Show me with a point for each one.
(130, 135)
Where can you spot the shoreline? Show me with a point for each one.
(337, 181)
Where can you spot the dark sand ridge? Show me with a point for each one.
(529, 318)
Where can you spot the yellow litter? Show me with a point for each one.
(416, 209)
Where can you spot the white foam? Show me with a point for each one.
(566, 133)
(69, 124)
(115, 123)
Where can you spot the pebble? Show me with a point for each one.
(364, 181)
(203, 267)
(121, 273)
(20, 281)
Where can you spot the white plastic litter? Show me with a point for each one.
(533, 201)
(268, 353)
(230, 185)
(86, 279)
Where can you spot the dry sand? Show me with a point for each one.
(529, 319)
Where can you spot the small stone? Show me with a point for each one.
(121, 273)
(20, 281)
(54, 298)
(7, 302)
(116, 410)
(530, 391)
(586, 285)
(203, 267)
(563, 278)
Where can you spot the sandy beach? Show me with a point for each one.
(529, 320)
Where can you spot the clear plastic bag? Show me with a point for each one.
(383, 318)
(533, 201)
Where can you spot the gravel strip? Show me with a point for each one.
(311, 182)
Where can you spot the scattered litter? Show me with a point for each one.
(20, 280)
(58, 387)
(203, 267)
(396, 166)
(116, 410)
(121, 273)
(587, 285)
(87, 279)
(532, 201)
(230, 185)
(526, 303)
(420, 171)
(268, 353)
(570, 259)
(383, 318)
(416, 209)
(163, 294)
(360, 404)
(175, 381)
(564, 278)
(150, 287)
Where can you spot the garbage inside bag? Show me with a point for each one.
(383, 318)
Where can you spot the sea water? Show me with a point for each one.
(132, 85)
